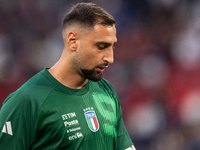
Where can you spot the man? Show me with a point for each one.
(69, 106)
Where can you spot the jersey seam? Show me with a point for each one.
(35, 128)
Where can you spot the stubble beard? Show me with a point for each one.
(89, 74)
(92, 75)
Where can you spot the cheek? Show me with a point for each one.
(90, 57)
(89, 62)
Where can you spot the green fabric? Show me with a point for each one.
(45, 115)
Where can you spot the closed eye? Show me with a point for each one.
(103, 45)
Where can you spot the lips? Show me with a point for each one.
(102, 68)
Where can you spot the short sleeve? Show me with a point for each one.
(123, 138)
(17, 123)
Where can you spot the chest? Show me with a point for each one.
(77, 121)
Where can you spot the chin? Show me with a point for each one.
(92, 75)
(95, 79)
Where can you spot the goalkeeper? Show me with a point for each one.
(70, 106)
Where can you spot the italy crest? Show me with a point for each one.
(92, 121)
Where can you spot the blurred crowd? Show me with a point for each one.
(157, 62)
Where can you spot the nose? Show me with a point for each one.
(109, 56)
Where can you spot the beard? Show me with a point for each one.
(92, 75)
(89, 74)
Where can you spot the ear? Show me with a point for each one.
(72, 38)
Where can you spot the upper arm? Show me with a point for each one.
(123, 140)
(131, 148)
(17, 124)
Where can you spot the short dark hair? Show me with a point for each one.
(88, 15)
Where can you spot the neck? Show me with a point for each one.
(66, 75)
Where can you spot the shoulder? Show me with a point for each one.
(108, 88)
(105, 84)
(37, 86)
(33, 92)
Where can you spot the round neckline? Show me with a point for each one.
(64, 88)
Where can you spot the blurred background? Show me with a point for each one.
(157, 62)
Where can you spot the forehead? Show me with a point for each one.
(103, 33)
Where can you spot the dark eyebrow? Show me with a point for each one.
(106, 43)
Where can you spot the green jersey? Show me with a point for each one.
(44, 114)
